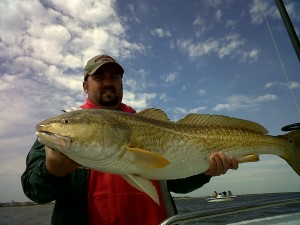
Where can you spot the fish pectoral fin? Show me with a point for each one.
(248, 158)
(143, 185)
(145, 159)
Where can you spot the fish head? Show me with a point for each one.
(84, 134)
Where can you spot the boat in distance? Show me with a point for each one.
(220, 198)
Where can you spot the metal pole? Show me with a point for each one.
(289, 27)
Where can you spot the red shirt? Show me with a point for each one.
(112, 201)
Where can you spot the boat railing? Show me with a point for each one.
(232, 209)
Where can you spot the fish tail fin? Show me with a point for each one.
(292, 155)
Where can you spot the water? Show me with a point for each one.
(41, 214)
(196, 204)
(26, 215)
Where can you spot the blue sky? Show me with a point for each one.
(197, 56)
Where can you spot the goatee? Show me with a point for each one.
(109, 102)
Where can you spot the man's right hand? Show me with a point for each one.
(58, 164)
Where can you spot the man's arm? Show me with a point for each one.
(38, 183)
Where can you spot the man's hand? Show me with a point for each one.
(58, 164)
(219, 164)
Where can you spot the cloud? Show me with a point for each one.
(228, 46)
(160, 32)
(138, 101)
(199, 21)
(163, 97)
(170, 78)
(259, 8)
(62, 34)
(230, 23)
(200, 25)
(293, 85)
(201, 92)
(212, 3)
(269, 84)
(231, 43)
(235, 102)
(218, 15)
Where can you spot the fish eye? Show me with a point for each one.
(66, 121)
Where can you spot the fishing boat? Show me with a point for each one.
(221, 198)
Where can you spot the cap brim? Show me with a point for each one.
(97, 67)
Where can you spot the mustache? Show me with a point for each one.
(113, 89)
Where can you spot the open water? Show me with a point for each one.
(41, 214)
(196, 204)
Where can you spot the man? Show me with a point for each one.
(92, 197)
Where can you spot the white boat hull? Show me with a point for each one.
(221, 198)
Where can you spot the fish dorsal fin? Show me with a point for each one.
(222, 121)
(153, 113)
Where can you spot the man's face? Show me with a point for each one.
(104, 87)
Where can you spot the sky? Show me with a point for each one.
(229, 57)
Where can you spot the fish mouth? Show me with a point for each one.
(53, 140)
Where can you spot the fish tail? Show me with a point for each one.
(292, 155)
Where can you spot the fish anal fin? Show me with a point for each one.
(153, 113)
(145, 159)
(248, 158)
(143, 185)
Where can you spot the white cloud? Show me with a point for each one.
(231, 43)
(163, 97)
(201, 92)
(264, 98)
(293, 85)
(88, 11)
(160, 32)
(138, 101)
(200, 25)
(198, 49)
(199, 21)
(241, 101)
(197, 109)
(228, 46)
(132, 11)
(213, 3)
(62, 37)
(269, 84)
(255, 11)
(259, 8)
(218, 15)
(170, 78)
(230, 23)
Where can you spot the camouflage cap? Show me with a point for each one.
(96, 62)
